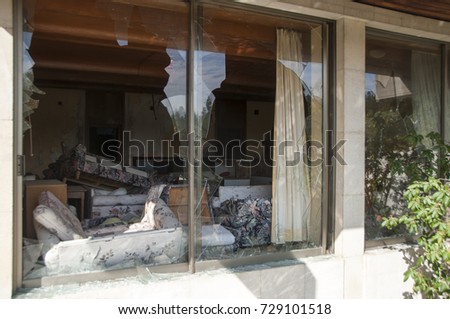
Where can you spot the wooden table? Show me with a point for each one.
(77, 192)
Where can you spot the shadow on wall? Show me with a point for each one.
(287, 279)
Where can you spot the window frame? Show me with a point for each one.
(192, 265)
(444, 97)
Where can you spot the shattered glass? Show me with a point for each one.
(150, 232)
(30, 104)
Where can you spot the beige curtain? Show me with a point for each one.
(291, 186)
(426, 88)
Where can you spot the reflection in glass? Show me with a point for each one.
(402, 107)
(108, 184)
(175, 91)
(238, 62)
(106, 67)
(447, 100)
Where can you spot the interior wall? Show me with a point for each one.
(58, 119)
(147, 120)
(260, 118)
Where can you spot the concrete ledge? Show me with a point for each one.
(376, 274)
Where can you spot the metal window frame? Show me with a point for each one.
(17, 144)
(328, 104)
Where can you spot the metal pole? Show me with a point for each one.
(191, 134)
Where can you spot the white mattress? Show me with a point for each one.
(216, 235)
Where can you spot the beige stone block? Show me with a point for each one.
(383, 26)
(6, 14)
(256, 2)
(441, 27)
(339, 213)
(222, 286)
(350, 44)
(383, 271)
(359, 11)
(6, 75)
(353, 211)
(354, 45)
(6, 247)
(324, 277)
(306, 8)
(349, 222)
(252, 280)
(331, 6)
(354, 101)
(350, 167)
(388, 16)
(349, 242)
(354, 169)
(340, 96)
(415, 22)
(283, 282)
(6, 165)
(303, 3)
(354, 277)
(340, 162)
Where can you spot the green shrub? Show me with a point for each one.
(428, 218)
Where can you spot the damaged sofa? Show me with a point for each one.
(159, 238)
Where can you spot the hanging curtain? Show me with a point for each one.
(426, 79)
(291, 187)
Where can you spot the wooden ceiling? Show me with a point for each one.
(75, 43)
(434, 9)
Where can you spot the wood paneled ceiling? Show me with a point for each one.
(75, 43)
(434, 9)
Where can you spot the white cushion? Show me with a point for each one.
(55, 223)
(157, 216)
(164, 217)
(47, 238)
(216, 235)
(48, 199)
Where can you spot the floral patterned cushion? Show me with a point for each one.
(46, 237)
(157, 216)
(48, 199)
(123, 250)
(164, 217)
(55, 223)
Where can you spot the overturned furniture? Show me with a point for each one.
(159, 238)
(81, 167)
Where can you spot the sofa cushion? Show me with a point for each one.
(55, 223)
(46, 237)
(48, 199)
(157, 216)
(164, 217)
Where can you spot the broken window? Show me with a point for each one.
(403, 106)
(136, 118)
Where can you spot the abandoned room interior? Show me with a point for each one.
(121, 98)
